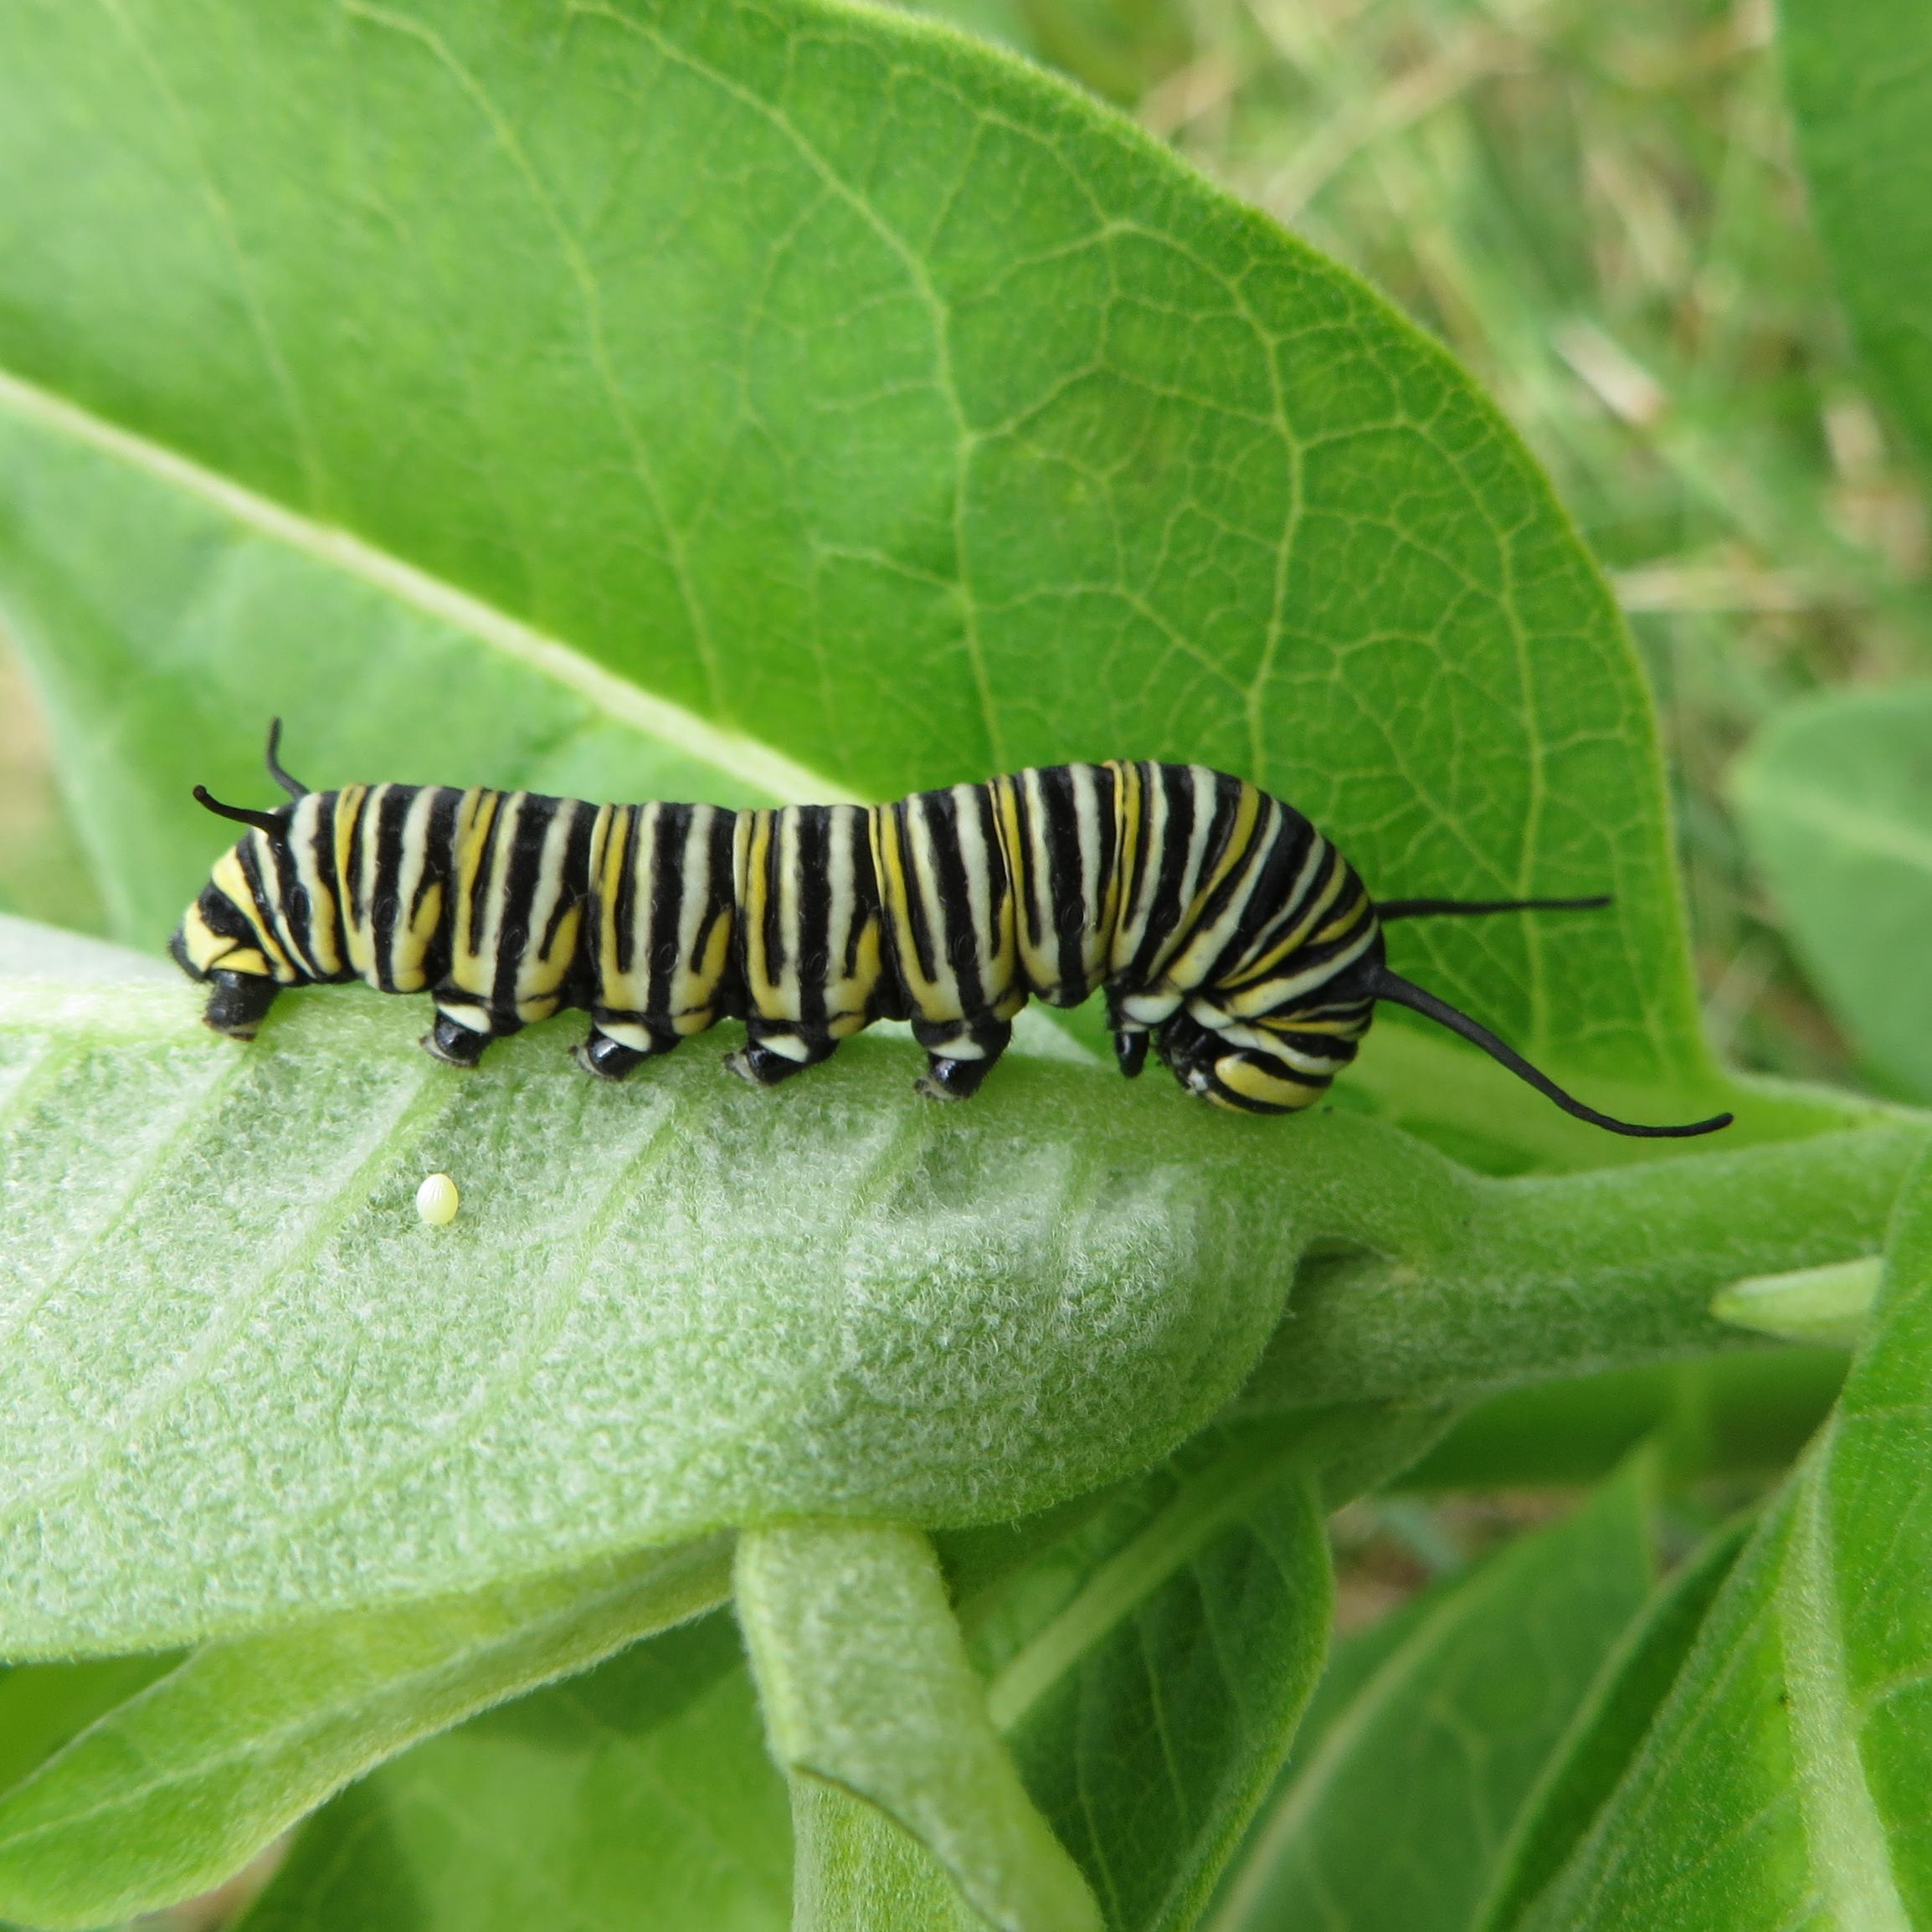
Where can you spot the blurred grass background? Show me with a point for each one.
(1598, 210)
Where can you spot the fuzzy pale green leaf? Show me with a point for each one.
(1826, 1305)
(246, 1383)
(173, 1787)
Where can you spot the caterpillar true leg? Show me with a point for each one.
(616, 1048)
(959, 1054)
(774, 1052)
(456, 1040)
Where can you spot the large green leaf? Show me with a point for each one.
(1148, 1671)
(1859, 74)
(204, 1759)
(637, 1795)
(226, 1405)
(1395, 1816)
(753, 399)
(1606, 1730)
(1783, 1781)
(1836, 801)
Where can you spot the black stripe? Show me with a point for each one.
(356, 908)
(813, 858)
(385, 906)
(574, 883)
(259, 894)
(1073, 914)
(965, 945)
(771, 928)
(323, 853)
(722, 901)
(1164, 910)
(293, 898)
(222, 916)
(852, 828)
(656, 944)
(521, 871)
(624, 824)
(897, 827)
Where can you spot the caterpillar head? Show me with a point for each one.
(226, 938)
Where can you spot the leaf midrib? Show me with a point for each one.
(1845, 1835)
(750, 761)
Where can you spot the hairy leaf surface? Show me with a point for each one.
(247, 1384)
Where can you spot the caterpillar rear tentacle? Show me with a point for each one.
(1229, 936)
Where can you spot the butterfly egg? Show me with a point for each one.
(437, 1200)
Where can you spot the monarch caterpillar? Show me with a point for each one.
(1224, 930)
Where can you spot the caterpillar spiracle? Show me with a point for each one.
(1225, 932)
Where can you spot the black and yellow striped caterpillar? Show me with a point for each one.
(1223, 928)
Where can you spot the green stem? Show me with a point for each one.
(1529, 1280)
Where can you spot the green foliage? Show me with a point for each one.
(1858, 74)
(132, 1782)
(1786, 1773)
(645, 1779)
(1836, 800)
(868, 1693)
(599, 403)
(1394, 1818)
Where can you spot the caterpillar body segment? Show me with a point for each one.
(1227, 933)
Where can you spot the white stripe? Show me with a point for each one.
(694, 895)
(549, 889)
(841, 900)
(978, 862)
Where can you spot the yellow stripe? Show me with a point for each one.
(234, 881)
(1247, 1078)
(352, 809)
(476, 813)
